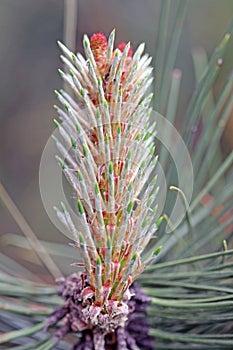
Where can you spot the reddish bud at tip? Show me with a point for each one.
(98, 41)
(122, 46)
(99, 45)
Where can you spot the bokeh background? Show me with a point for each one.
(29, 58)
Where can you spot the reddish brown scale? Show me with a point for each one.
(108, 97)
(121, 164)
(125, 250)
(95, 101)
(102, 251)
(126, 95)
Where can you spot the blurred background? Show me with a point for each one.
(29, 59)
